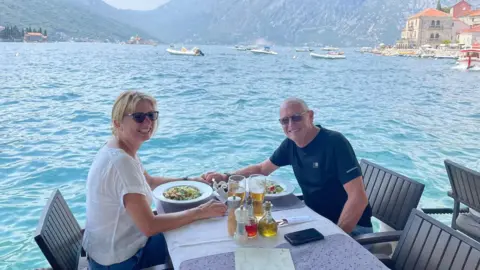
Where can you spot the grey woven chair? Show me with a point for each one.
(392, 196)
(59, 236)
(465, 190)
(426, 243)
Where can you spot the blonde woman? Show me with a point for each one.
(121, 231)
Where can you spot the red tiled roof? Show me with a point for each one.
(34, 34)
(475, 29)
(430, 12)
(466, 13)
(474, 13)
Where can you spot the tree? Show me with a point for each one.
(45, 32)
(439, 6)
(34, 30)
(446, 42)
(446, 9)
(40, 30)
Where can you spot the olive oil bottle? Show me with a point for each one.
(267, 226)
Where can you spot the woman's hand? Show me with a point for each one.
(209, 176)
(211, 209)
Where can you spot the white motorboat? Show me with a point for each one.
(193, 52)
(446, 57)
(240, 48)
(304, 49)
(328, 48)
(328, 55)
(265, 50)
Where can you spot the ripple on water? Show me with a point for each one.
(218, 112)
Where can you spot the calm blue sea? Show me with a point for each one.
(217, 112)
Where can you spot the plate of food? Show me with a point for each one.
(276, 188)
(183, 192)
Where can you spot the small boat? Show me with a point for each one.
(469, 59)
(366, 50)
(330, 55)
(240, 48)
(304, 49)
(193, 52)
(328, 48)
(446, 57)
(265, 50)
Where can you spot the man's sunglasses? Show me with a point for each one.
(295, 118)
(139, 117)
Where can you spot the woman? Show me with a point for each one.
(121, 231)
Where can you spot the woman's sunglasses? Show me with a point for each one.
(139, 117)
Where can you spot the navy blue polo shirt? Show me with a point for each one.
(322, 168)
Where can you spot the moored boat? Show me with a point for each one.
(329, 48)
(330, 55)
(193, 52)
(265, 50)
(304, 49)
(469, 59)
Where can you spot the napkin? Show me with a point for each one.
(294, 220)
(263, 258)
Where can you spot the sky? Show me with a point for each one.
(136, 4)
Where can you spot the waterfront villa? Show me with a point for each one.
(34, 37)
(430, 26)
(434, 27)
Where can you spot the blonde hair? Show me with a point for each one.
(126, 103)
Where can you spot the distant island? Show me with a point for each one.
(14, 34)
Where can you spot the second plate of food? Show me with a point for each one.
(276, 188)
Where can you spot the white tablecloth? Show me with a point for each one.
(209, 237)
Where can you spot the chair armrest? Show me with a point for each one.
(82, 251)
(379, 237)
(299, 196)
(386, 260)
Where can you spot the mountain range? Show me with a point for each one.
(286, 22)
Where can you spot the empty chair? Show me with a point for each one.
(466, 190)
(59, 236)
(426, 243)
(391, 195)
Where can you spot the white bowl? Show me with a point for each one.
(288, 189)
(205, 190)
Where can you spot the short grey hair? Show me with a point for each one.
(296, 101)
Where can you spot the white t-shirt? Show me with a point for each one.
(111, 236)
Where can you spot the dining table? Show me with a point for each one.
(205, 244)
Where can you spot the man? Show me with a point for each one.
(325, 166)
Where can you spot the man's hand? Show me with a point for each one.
(200, 179)
(209, 176)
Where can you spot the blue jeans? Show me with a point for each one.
(154, 252)
(359, 230)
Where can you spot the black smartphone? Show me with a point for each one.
(303, 236)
